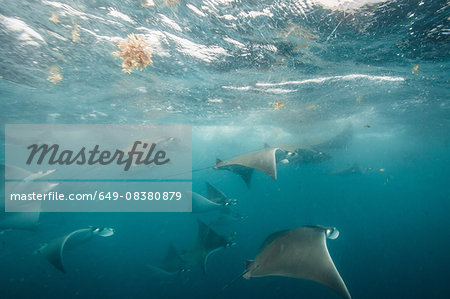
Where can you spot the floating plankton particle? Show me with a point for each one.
(277, 105)
(54, 18)
(171, 2)
(147, 3)
(75, 33)
(135, 51)
(311, 107)
(55, 76)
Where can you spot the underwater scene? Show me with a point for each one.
(319, 133)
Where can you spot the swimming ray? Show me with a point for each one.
(29, 216)
(20, 220)
(166, 143)
(172, 263)
(339, 141)
(301, 154)
(264, 160)
(208, 241)
(315, 152)
(54, 250)
(216, 201)
(299, 253)
(201, 204)
(228, 212)
(218, 196)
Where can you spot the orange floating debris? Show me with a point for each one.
(54, 18)
(55, 76)
(415, 69)
(135, 52)
(381, 169)
(311, 107)
(171, 2)
(277, 105)
(75, 33)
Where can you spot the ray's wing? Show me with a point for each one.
(201, 204)
(216, 195)
(28, 217)
(53, 251)
(208, 242)
(172, 262)
(299, 253)
(272, 237)
(20, 220)
(244, 172)
(209, 239)
(264, 160)
(339, 141)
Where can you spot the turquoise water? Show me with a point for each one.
(246, 73)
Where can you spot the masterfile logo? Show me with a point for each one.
(79, 168)
(94, 156)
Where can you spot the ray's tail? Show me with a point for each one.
(180, 173)
(231, 283)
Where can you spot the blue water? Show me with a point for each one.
(382, 68)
